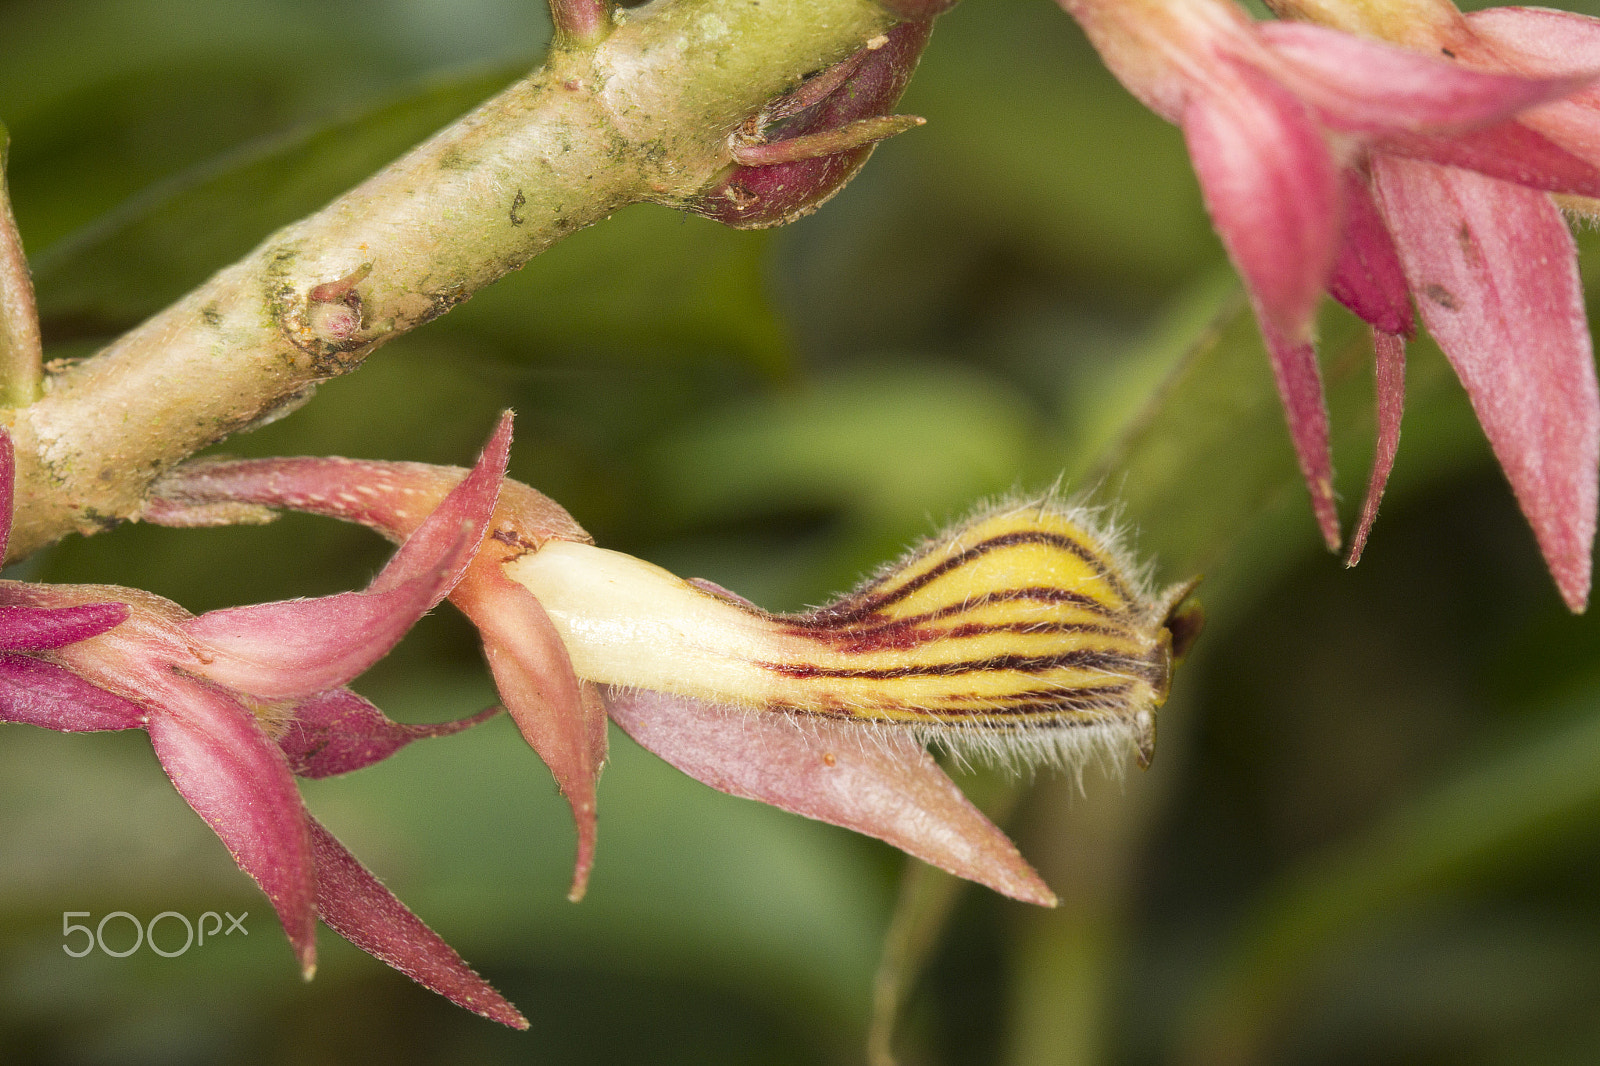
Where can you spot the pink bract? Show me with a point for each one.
(1335, 162)
(237, 701)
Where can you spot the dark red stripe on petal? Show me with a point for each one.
(1079, 659)
(869, 601)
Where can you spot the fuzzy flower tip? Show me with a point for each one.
(1391, 176)
(1023, 634)
(238, 701)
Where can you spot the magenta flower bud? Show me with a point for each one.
(790, 159)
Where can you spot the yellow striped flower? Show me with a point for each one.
(1022, 634)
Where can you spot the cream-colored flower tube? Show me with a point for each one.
(1023, 632)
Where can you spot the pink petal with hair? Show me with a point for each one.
(1273, 192)
(42, 628)
(338, 731)
(1390, 389)
(541, 693)
(298, 647)
(1539, 41)
(1511, 151)
(44, 694)
(295, 648)
(355, 905)
(881, 784)
(1299, 381)
(238, 781)
(1361, 84)
(1495, 273)
(1367, 276)
(464, 512)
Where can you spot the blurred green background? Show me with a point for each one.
(1372, 831)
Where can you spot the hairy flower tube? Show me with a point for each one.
(1023, 634)
(1331, 161)
(238, 701)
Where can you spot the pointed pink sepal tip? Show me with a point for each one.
(1299, 382)
(1494, 268)
(339, 732)
(296, 648)
(1390, 387)
(237, 780)
(356, 905)
(883, 784)
(561, 722)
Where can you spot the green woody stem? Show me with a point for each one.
(644, 115)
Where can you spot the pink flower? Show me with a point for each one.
(237, 701)
(1330, 161)
(638, 637)
(1023, 634)
(562, 722)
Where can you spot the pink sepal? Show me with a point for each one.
(236, 779)
(1511, 151)
(42, 628)
(44, 694)
(534, 677)
(1299, 381)
(1495, 273)
(355, 905)
(1273, 192)
(881, 784)
(1545, 42)
(1367, 276)
(298, 647)
(1360, 84)
(294, 648)
(1539, 40)
(338, 731)
(1389, 378)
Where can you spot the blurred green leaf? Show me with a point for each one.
(1055, 153)
(161, 243)
(646, 284)
(1480, 823)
